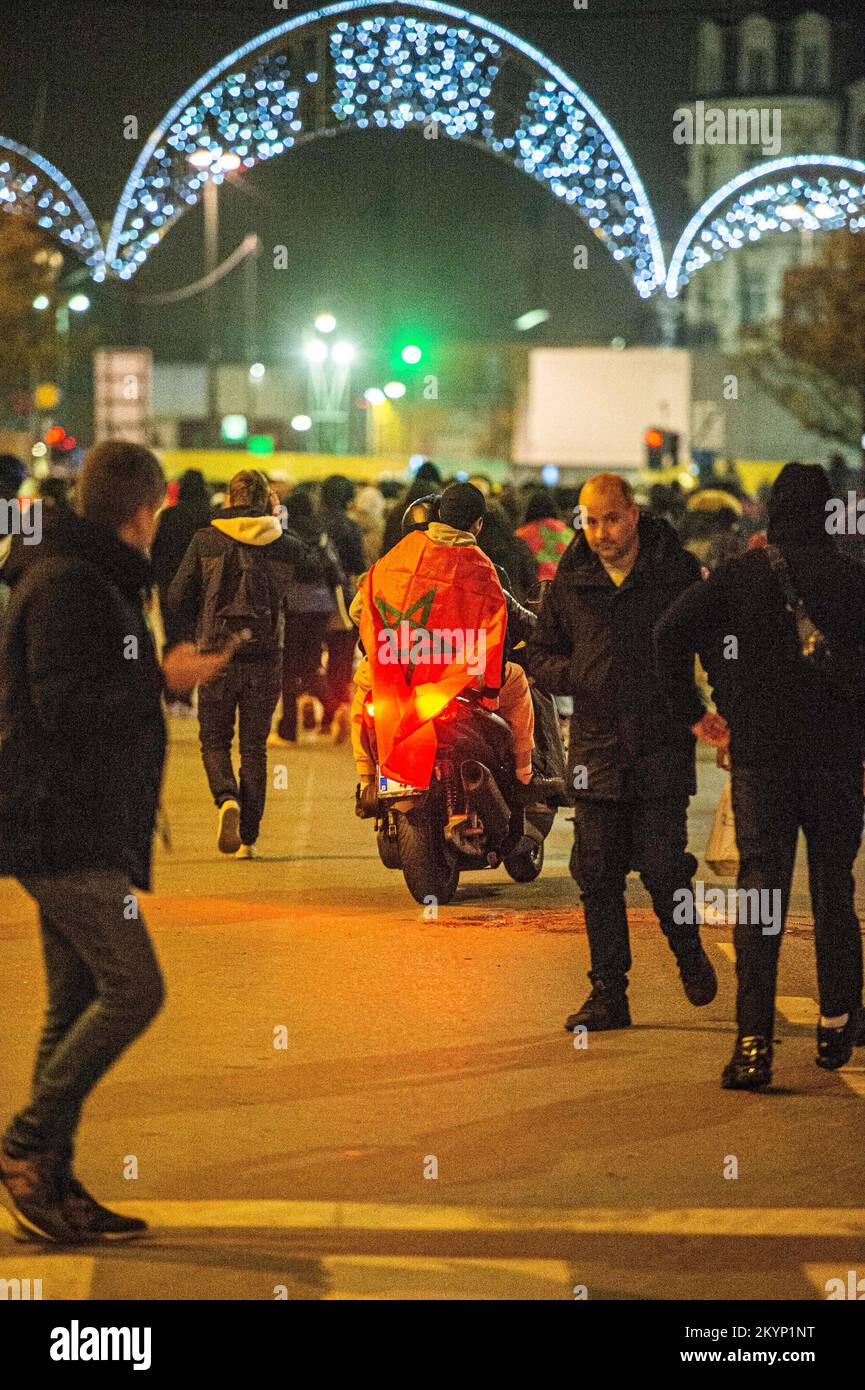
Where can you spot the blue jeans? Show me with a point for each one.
(104, 988)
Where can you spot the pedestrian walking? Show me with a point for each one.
(309, 607)
(344, 534)
(230, 589)
(781, 634)
(175, 529)
(82, 743)
(631, 764)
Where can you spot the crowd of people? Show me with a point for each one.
(617, 603)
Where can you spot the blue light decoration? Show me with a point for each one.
(811, 192)
(390, 71)
(33, 188)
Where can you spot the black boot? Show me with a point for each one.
(835, 1045)
(750, 1067)
(35, 1188)
(603, 1011)
(699, 980)
(91, 1221)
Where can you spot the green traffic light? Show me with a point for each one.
(411, 354)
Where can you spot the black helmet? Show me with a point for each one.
(418, 514)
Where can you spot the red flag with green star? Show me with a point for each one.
(433, 622)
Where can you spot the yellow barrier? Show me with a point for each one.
(218, 465)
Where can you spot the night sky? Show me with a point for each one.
(384, 228)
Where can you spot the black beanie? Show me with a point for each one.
(797, 505)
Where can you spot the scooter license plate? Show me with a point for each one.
(389, 786)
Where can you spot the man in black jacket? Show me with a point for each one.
(630, 764)
(797, 741)
(82, 743)
(229, 592)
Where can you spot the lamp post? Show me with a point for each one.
(329, 377)
(211, 162)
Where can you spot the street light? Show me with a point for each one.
(343, 354)
(257, 371)
(325, 323)
(411, 354)
(316, 350)
(301, 423)
(374, 396)
(395, 390)
(79, 304)
(202, 159)
(41, 302)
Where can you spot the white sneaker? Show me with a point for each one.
(229, 828)
(247, 852)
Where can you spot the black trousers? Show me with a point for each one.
(340, 657)
(301, 658)
(611, 838)
(770, 804)
(247, 690)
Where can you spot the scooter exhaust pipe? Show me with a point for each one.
(485, 799)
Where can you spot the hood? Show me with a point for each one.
(659, 541)
(797, 506)
(440, 534)
(239, 524)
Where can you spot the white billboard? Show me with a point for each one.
(123, 394)
(590, 407)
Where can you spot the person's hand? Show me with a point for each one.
(713, 729)
(185, 667)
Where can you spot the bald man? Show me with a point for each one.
(630, 764)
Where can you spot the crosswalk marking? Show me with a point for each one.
(62, 1276)
(276, 1215)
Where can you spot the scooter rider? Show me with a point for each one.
(461, 512)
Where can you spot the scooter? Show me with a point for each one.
(470, 816)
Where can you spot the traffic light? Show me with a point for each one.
(662, 448)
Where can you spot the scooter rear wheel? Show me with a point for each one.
(426, 871)
(525, 868)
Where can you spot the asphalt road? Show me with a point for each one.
(343, 1100)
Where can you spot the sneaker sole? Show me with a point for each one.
(26, 1226)
(229, 830)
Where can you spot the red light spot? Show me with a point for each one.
(654, 439)
(55, 435)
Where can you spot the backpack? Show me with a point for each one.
(247, 606)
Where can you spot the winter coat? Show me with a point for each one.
(199, 590)
(177, 526)
(594, 642)
(775, 704)
(82, 737)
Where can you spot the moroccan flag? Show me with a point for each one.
(433, 622)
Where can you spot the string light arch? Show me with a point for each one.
(374, 65)
(31, 187)
(812, 192)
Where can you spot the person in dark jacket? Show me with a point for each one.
(797, 742)
(427, 480)
(177, 525)
(309, 606)
(510, 553)
(82, 743)
(346, 538)
(631, 765)
(229, 592)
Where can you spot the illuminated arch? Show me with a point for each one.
(827, 191)
(373, 64)
(29, 185)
